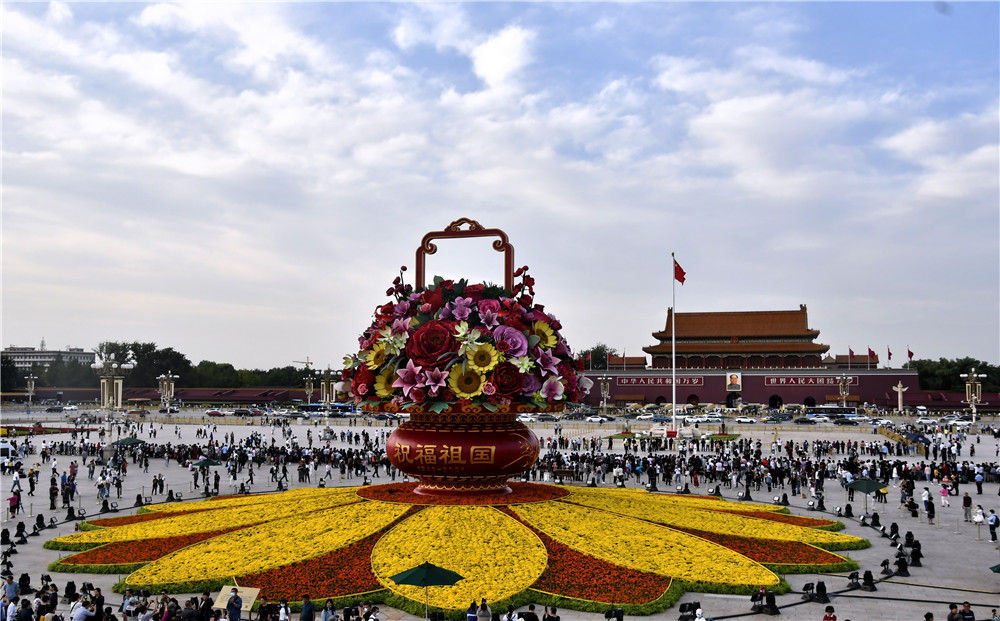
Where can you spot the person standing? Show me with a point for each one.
(967, 507)
(234, 605)
(308, 612)
(993, 521)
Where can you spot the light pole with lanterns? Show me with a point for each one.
(605, 381)
(307, 363)
(327, 388)
(166, 386)
(845, 390)
(973, 390)
(31, 388)
(112, 374)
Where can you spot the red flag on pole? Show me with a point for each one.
(871, 354)
(889, 351)
(909, 354)
(850, 354)
(678, 272)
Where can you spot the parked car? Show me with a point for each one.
(770, 420)
(54, 408)
(386, 416)
(744, 420)
(926, 421)
(214, 413)
(712, 420)
(646, 416)
(805, 421)
(525, 418)
(242, 412)
(599, 419)
(820, 418)
(548, 418)
(70, 408)
(846, 421)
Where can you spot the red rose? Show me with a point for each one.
(435, 298)
(430, 341)
(417, 395)
(364, 379)
(474, 291)
(507, 379)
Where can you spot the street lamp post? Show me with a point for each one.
(166, 382)
(973, 390)
(31, 389)
(112, 374)
(845, 390)
(327, 390)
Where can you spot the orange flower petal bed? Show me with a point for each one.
(347, 571)
(768, 551)
(520, 493)
(135, 519)
(579, 575)
(784, 518)
(142, 551)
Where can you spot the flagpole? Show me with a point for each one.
(673, 342)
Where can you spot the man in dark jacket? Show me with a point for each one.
(308, 610)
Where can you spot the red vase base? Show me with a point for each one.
(515, 493)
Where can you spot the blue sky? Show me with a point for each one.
(241, 181)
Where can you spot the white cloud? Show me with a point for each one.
(501, 57)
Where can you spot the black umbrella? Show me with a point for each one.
(205, 463)
(129, 441)
(866, 486)
(427, 575)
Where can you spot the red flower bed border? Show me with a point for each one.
(139, 551)
(581, 576)
(343, 572)
(769, 551)
(784, 518)
(520, 493)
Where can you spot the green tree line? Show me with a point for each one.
(150, 362)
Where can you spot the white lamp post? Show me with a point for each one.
(973, 390)
(166, 381)
(112, 374)
(31, 389)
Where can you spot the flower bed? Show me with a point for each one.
(128, 556)
(498, 556)
(343, 572)
(770, 552)
(644, 546)
(675, 513)
(573, 574)
(785, 518)
(273, 544)
(520, 493)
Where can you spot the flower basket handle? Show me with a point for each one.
(455, 230)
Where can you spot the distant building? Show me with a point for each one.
(739, 340)
(25, 357)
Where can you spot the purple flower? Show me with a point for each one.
(546, 361)
(488, 318)
(415, 296)
(409, 378)
(553, 388)
(531, 384)
(562, 348)
(461, 308)
(435, 379)
(401, 326)
(585, 383)
(510, 341)
(401, 308)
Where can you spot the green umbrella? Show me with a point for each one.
(129, 441)
(866, 486)
(426, 575)
(995, 569)
(205, 463)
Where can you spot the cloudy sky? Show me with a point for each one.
(241, 182)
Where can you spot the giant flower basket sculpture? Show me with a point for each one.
(463, 360)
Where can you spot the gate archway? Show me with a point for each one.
(732, 400)
(809, 402)
(774, 402)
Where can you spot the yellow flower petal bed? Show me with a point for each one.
(274, 544)
(206, 521)
(303, 493)
(670, 512)
(640, 545)
(496, 554)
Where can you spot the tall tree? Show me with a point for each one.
(10, 377)
(945, 373)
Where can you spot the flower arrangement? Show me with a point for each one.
(455, 344)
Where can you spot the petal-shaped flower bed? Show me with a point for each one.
(582, 548)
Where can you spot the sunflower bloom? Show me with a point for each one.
(546, 335)
(376, 357)
(484, 358)
(465, 383)
(383, 383)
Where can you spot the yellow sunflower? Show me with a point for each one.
(546, 336)
(376, 357)
(383, 383)
(484, 358)
(465, 383)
